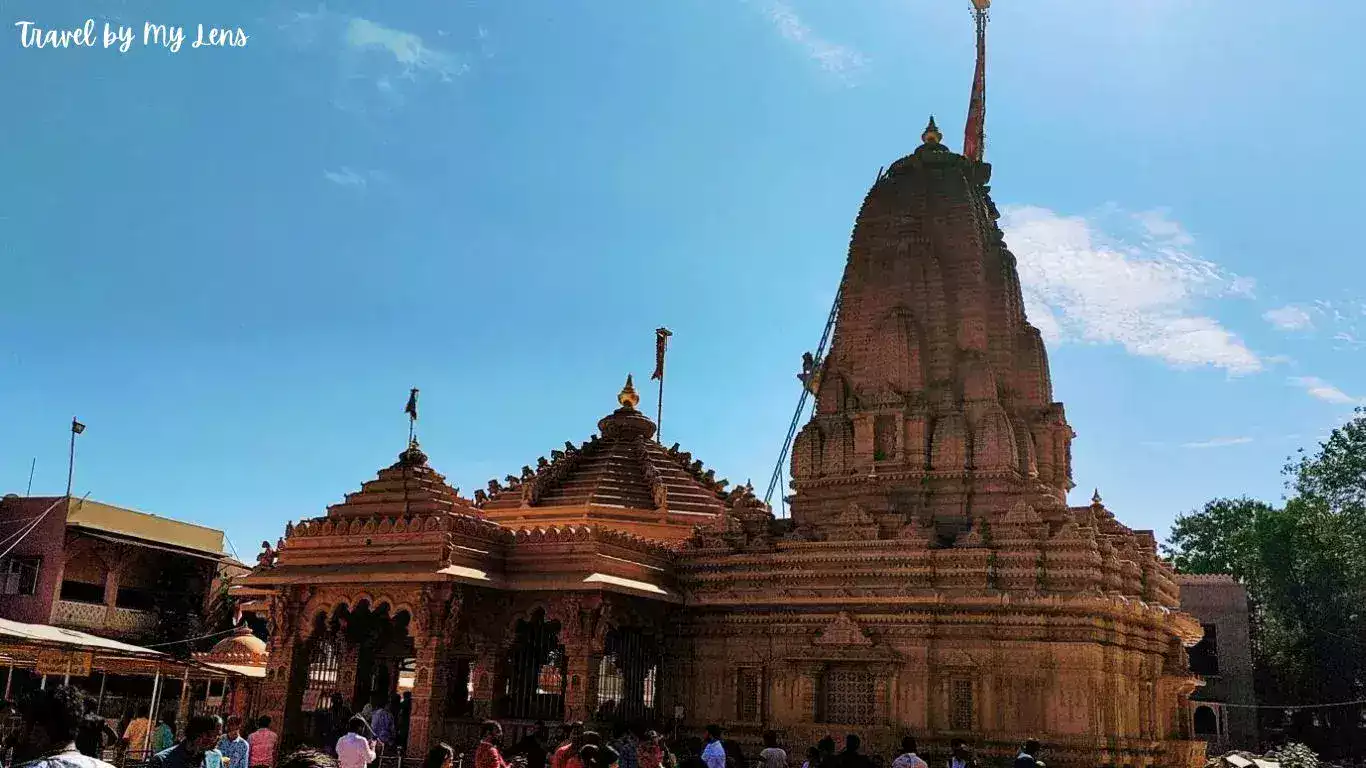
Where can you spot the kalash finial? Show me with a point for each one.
(628, 397)
(931, 134)
(1095, 497)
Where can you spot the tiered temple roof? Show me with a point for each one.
(619, 478)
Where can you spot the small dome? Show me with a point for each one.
(241, 644)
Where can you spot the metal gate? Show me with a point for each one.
(534, 671)
(628, 676)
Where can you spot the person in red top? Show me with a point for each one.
(487, 755)
(567, 756)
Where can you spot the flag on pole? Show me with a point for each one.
(661, 344)
(974, 140)
(411, 407)
(76, 426)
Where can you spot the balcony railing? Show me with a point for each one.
(99, 618)
(68, 613)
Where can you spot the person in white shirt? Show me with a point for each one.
(354, 750)
(714, 753)
(773, 755)
(908, 757)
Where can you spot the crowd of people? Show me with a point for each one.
(60, 730)
(580, 748)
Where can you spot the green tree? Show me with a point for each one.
(1304, 566)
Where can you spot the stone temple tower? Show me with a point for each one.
(933, 579)
(935, 403)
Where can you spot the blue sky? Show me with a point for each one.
(232, 264)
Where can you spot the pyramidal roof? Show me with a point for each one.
(622, 468)
(406, 488)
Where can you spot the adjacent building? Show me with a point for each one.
(1223, 713)
(103, 569)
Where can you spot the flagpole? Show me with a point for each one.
(71, 459)
(662, 335)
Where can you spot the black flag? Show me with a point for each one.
(77, 427)
(411, 407)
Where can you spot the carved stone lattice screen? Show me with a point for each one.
(960, 705)
(747, 695)
(849, 696)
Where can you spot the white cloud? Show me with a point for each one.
(1289, 318)
(1322, 390)
(1218, 442)
(832, 57)
(345, 178)
(1083, 283)
(407, 48)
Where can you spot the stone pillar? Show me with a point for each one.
(430, 685)
(581, 685)
(484, 673)
(284, 655)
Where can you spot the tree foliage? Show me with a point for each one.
(1304, 566)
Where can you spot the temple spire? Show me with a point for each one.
(931, 134)
(974, 138)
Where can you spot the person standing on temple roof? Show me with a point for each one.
(773, 756)
(714, 752)
(233, 746)
(850, 757)
(1029, 755)
(263, 742)
(486, 755)
(908, 757)
(47, 736)
(567, 754)
(961, 756)
(196, 749)
(355, 750)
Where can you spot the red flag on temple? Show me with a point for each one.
(661, 344)
(974, 140)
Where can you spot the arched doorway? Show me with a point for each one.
(353, 657)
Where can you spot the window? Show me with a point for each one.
(1206, 722)
(81, 592)
(960, 705)
(20, 575)
(847, 697)
(1204, 655)
(747, 695)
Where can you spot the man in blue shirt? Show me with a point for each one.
(196, 750)
(233, 746)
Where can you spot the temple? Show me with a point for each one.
(932, 578)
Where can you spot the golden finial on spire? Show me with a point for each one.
(628, 397)
(931, 134)
(1095, 497)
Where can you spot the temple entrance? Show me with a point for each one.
(628, 676)
(533, 672)
(353, 657)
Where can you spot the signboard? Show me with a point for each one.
(58, 662)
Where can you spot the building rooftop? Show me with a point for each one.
(121, 522)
